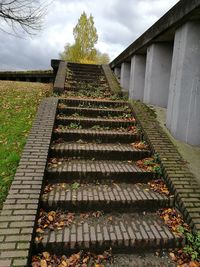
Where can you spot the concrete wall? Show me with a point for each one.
(125, 76)
(137, 77)
(117, 72)
(158, 70)
(183, 111)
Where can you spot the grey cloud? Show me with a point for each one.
(22, 54)
(120, 23)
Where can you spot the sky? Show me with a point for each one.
(118, 23)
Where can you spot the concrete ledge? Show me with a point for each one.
(17, 219)
(111, 79)
(176, 173)
(162, 30)
(45, 76)
(59, 84)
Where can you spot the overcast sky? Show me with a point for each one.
(118, 23)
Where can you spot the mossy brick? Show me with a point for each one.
(32, 206)
(14, 253)
(16, 207)
(7, 246)
(26, 211)
(3, 224)
(20, 262)
(27, 201)
(15, 238)
(5, 262)
(26, 230)
(11, 218)
(6, 212)
(10, 231)
(23, 245)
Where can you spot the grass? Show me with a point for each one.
(18, 102)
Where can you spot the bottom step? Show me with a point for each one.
(96, 230)
(105, 259)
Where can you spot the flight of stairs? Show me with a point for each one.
(94, 184)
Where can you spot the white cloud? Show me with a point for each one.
(118, 24)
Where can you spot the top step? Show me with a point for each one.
(83, 66)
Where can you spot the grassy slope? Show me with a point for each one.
(18, 106)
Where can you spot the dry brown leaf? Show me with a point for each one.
(172, 256)
(43, 263)
(39, 230)
(46, 255)
(194, 264)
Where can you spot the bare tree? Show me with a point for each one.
(25, 15)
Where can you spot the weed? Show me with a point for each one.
(192, 247)
(74, 125)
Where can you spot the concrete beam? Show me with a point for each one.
(117, 72)
(183, 112)
(162, 30)
(157, 76)
(125, 76)
(137, 77)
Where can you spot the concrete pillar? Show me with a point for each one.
(157, 77)
(117, 72)
(137, 77)
(125, 76)
(183, 111)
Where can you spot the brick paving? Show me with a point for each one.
(111, 196)
(92, 112)
(92, 135)
(126, 230)
(87, 170)
(66, 120)
(98, 151)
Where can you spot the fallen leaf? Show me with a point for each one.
(43, 263)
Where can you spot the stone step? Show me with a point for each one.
(84, 78)
(91, 90)
(95, 135)
(92, 112)
(93, 103)
(107, 197)
(83, 65)
(98, 151)
(84, 69)
(83, 75)
(121, 231)
(66, 169)
(143, 259)
(87, 122)
(92, 84)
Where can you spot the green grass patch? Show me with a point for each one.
(19, 102)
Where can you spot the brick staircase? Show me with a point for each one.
(92, 177)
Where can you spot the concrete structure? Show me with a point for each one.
(158, 69)
(172, 75)
(183, 113)
(117, 72)
(137, 77)
(125, 76)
